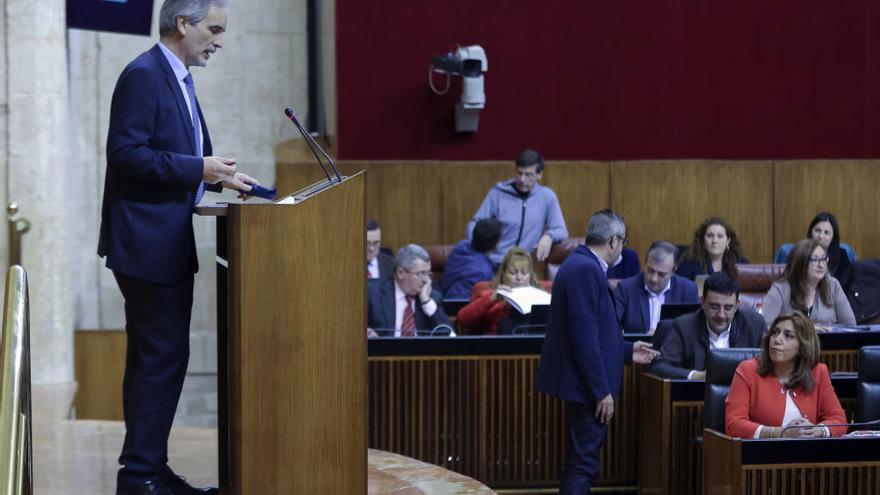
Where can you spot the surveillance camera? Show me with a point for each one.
(470, 63)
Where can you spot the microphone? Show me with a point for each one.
(443, 327)
(313, 145)
(838, 425)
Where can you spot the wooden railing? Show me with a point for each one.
(16, 473)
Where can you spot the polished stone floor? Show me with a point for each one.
(79, 457)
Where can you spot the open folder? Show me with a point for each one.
(523, 298)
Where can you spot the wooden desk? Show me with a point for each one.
(827, 466)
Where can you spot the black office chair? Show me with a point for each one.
(720, 366)
(868, 386)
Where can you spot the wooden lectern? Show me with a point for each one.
(292, 354)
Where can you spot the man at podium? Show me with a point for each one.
(159, 163)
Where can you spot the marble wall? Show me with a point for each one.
(38, 165)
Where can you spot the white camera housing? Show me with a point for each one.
(470, 63)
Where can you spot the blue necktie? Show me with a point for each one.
(197, 127)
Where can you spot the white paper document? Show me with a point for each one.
(523, 298)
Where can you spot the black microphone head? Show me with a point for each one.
(289, 112)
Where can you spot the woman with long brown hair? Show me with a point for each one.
(714, 248)
(807, 287)
(785, 391)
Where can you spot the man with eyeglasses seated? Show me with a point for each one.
(406, 302)
(379, 264)
(719, 324)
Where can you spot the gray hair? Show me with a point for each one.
(660, 250)
(192, 10)
(409, 254)
(603, 226)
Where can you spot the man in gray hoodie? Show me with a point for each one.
(529, 212)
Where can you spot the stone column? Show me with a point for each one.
(37, 169)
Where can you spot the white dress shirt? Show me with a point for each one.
(716, 341)
(655, 302)
(373, 267)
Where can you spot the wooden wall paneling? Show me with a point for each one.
(463, 186)
(669, 199)
(846, 188)
(405, 197)
(582, 189)
(99, 366)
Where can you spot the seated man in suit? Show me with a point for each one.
(641, 297)
(379, 265)
(719, 324)
(401, 304)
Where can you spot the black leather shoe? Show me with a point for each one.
(149, 487)
(179, 486)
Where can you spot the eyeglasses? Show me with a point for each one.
(624, 240)
(816, 259)
(423, 274)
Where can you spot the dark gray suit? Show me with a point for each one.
(686, 341)
(386, 266)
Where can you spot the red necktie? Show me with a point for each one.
(408, 327)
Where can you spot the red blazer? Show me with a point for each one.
(755, 400)
(482, 314)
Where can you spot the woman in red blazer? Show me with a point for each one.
(487, 308)
(785, 386)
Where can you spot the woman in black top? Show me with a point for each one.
(714, 248)
(824, 230)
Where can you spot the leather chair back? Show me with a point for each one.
(720, 366)
(868, 387)
(439, 253)
(754, 282)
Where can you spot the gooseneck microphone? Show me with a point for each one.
(314, 146)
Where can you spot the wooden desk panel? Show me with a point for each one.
(481, 416)
(731, 468)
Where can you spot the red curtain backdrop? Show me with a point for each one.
(614, 80)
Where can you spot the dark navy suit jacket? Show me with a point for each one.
(381, 307)
(153, 172)
(632, 296)
(584, 351)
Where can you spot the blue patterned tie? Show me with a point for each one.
(197, 127)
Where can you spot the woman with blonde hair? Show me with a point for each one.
(487, 308)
